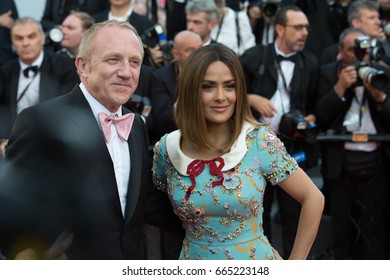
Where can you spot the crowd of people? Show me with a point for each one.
(197, 117)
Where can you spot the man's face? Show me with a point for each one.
(198, 23)
(73, 33)
(28, 40)
(292, 37)
(384, 4)
(112, 71)
(185, 46)
(368, 22)
(347, 50)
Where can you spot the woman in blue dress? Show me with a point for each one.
(214, 168)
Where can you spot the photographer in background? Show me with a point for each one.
(261, 15)
(354, 172)
(281, 79)
(73, 28)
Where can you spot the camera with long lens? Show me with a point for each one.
(156, 34)
(367, 70)
(294, 126)
(268, 7)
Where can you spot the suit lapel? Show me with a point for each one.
(133, 190)
(14, 88)
(92, 142)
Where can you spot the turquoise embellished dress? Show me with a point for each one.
(220, 201)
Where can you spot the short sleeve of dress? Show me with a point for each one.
(277, 164)
(160, 164)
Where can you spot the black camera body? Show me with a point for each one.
(156, 33)
(53, 38)
(366, 70)
(294, 126)
(140, 104)
(268, 7)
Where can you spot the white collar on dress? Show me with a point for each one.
(180, 161)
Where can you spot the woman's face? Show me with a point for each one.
(218, 94)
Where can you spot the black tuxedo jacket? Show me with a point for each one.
(56, 10)
(260, 70)
(141, 23)
(331, 111)
(162, 94)
(58, 75)
(58, 174)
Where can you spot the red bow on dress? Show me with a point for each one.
(196, 167)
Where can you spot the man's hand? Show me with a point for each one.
(156, 56)
(347, 77)
(6, 19)
(261, 105)
(310, 119)
(377, 94)
(55, 252)
(3, 144)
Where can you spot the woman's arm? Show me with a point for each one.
(302, 188)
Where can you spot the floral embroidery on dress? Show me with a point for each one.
(224, 221)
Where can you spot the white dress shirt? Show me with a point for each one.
(31, 97)
(118, 149)
(281, 98)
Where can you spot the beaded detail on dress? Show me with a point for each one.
(224, 221)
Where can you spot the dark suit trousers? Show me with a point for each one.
(359, 221)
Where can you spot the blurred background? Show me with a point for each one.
(33, 8)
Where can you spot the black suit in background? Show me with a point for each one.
(59, 174)
(137, 106)
(163, 95)
(358, 205)
(58, 75)
(6, 53)
(260, 70)
(57, 10)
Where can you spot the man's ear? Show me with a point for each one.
(81, 66)
(212, 24)
(355, 23)
(279, 29)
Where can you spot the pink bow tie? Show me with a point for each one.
(122, 124)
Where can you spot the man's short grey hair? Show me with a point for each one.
(356, 7)
(203, 6)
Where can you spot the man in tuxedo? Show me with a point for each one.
(36, 75)
(355, 173)
(79, 163)
(281, 78)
